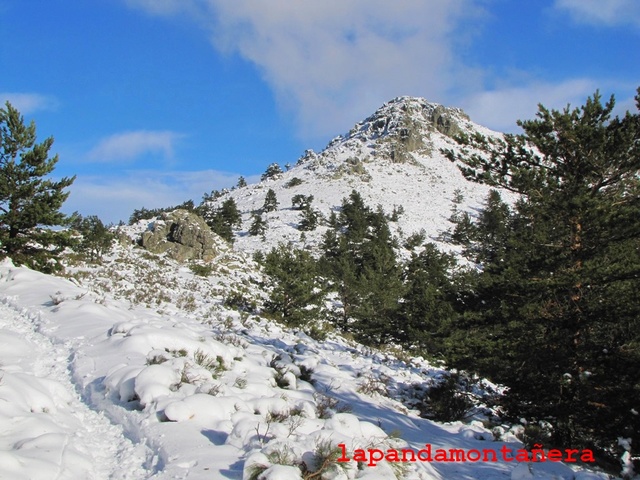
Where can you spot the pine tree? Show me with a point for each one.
(354, 217)
(485, 240)
(427, 309)
(378, 313)
(300, 202)
(309, 216)
(272, 171)
(270, 202)
(295, 288)
(222, 220)
(463, 228)
(241, 182)
(553, 314)
(96, 238)
(342, 260)
(359, 259)
(308, 219)
(342, 269)
(258, 225)
(29, 201)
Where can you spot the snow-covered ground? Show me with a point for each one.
(137, 368)
(95, 385)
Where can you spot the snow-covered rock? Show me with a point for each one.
(182, 235)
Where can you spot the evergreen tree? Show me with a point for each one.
(492, 230)
(222, 220)
(295, 287)
(143, 214)
(241, 182)
(359, 259)
(486, 239)
(96, 238)
(214, 195)
(554, 313)
(28, 200)
(187, 205)
(299, 201)
(270, 202)
(341, 268)
(294, 182)
(308, 219)
(309, 216)
(395, 214)
(354, 217)
(427, 310)
(377, 318)
(415, 240)
(272, 171)
(333, 220)
(258, 225)
(463, 230)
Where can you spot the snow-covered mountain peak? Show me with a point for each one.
(404, 116)
(394, 158)
(398, 130)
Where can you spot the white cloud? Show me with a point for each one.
(499, 109)
(115, 198)
(604, 12)
(335, 61)
(331, 63)
(130, 145)
(27, 103)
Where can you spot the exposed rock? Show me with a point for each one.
(183, 236)
(404, 126)
(445, 121)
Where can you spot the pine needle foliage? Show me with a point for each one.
(553, 313)
(30, 202)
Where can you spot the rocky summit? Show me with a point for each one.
(394, 159)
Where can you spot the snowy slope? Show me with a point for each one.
(137, 368)
(393, 158)
(96, 384)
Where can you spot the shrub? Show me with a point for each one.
(294, 182)
(300, 202)
(325, 462)
(238, 301)
(214, 365)
(447, 402)
(537, 433)
(327, 406)
(372, 384)
(201, 270)
(415, 239)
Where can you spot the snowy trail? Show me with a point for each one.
(46, 431)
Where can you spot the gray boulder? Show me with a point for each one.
(183, 236)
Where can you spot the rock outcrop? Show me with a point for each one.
(404, 126)
(183, 236)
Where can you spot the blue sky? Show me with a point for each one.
(153, 102)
